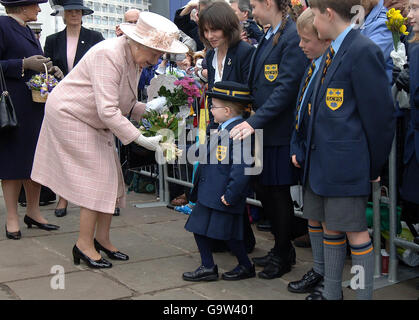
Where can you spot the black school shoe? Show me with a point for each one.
(317, 293)
(275, 268)
(263, 261)
(239, 273)
(202, 274)
(307, 284)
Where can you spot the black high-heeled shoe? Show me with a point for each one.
(78, 255)
(117, 255)
(13, 235)
(60, 212)
(44, 226)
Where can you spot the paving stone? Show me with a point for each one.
(27, 258)
(172, 294)
(78, 286)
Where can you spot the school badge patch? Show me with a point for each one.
(271, 72)
(334, 98)
(221, 153)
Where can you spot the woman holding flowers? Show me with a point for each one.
(21, 57)
(83, 113)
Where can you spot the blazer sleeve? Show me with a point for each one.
(291, 68)
(49, 47)
(12, 68)
(377, 118)
(246, 51)
(106, 74)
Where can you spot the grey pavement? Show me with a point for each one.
(160, 250)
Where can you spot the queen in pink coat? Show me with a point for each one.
(76, 154)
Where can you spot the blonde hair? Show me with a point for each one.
(305, 20)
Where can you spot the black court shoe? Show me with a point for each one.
(114, 255)
(202, 274)
(307, 284)
(44, 226)
(13, 235)
(60, 212)
(239, 273)
(78, 255)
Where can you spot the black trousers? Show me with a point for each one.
(278, 207)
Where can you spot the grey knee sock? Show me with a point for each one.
(316, 239)
(334, 261)
(363, 255)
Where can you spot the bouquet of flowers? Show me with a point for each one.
(297, 8)
(397, 25)
(40, 85)
(183, 94)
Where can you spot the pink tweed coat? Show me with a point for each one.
(76, 154)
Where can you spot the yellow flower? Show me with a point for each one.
(403, 30)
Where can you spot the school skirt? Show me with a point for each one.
(278, 169)
(215, 224)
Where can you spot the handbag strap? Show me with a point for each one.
(2, 80)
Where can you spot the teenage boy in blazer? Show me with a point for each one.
(349, 138)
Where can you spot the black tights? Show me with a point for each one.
(278, 206)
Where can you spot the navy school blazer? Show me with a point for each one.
(352, 125)
(223, 177)
(299, 137)
(56, 47)
(412, 134)
(274, 83)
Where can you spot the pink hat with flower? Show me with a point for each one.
(155, 31)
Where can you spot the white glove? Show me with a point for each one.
(150, 143)
(399, 57)
(157, 104)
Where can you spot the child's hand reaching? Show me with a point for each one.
(223, 200)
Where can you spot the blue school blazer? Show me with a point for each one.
(223, 176)
(412, 134)
(352, 125)
(274, 81)
(299, 137)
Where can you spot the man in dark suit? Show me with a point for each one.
(67, 47)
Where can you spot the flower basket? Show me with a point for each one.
(37, 97)
(40, 85)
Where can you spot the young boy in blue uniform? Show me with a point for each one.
(314, 48)
(222, 186)
(350, 131)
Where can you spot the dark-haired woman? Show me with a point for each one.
(275, 74)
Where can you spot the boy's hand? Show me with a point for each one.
(223, 200)
(294, 161)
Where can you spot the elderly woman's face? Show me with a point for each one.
(143, 56)
(30, 12)
(73, 17)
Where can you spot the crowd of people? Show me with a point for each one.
(317, 82)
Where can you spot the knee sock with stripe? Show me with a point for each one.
(363, 256)
(334, 261)
(316, 239)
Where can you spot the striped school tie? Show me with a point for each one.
(303, 90)
(329, 58)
